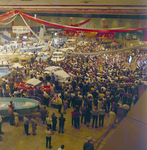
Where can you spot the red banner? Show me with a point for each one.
(75, 28)
(6, 16)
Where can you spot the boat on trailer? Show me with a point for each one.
(22, 105)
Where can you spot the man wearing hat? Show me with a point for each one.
(89, 144)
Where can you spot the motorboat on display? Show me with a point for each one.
(71, 41)
(9, 51)
(68, 49)
(10, 56)
(17, 65)
(31, 85)
(62, 75)
(43, 55)
(33, 48)
(26, 56)
(58, 56)
(22, 105)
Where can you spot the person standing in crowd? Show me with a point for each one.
(67, 97)
(59, 101)
(74, 85)
(3, 86)
(16, 119)
(61, 123)
(1, 123)
(87, 116)
(32, 60)
(34, 125)
(26, 125)
(49, 121)
(47, 78)
(54, 121)
(10, 111)
(48, 137)
(46, 98)
(65, 106)
(43, 114)
(40, 60)
(83, 110)
(89, 144)
(61, 148)
(100, 103)
(77, 119)
(52, 78)
(135, 99)
(95, 117)
(52, 89)
(73, 117)
(56, 82)
(101, 117)
(108, 103)
(112, 117)
(72, 97)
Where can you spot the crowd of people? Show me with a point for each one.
(102, 85)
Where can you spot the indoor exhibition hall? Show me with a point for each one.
(73, 75)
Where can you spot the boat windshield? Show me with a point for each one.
(56, 54)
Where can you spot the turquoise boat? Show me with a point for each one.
(22, 105)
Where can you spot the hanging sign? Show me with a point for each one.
(20, 29)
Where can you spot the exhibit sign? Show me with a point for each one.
(20, 29)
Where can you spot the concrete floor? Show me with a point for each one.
(14, 138)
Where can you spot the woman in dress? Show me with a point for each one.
(16, 119)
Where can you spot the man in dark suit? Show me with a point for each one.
(43, 114)
(54, 121)
(61, 123)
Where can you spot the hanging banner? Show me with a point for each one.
(20, 29)
(77, 28)
(7, 16)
